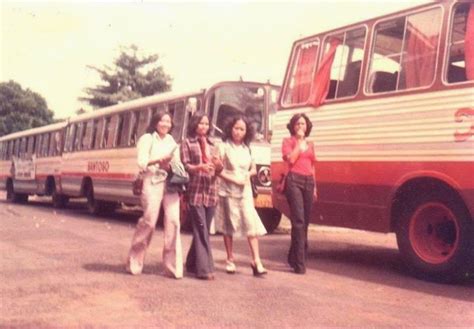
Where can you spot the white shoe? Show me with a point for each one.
(134, 266)
(230, 267)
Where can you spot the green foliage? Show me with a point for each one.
(127, 79)
(21, 109)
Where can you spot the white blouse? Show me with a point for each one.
(152, 147)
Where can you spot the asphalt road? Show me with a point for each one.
(65, 268)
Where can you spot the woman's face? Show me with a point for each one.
(300, 127)
(238, 131)
(164, 125)
(203, 126)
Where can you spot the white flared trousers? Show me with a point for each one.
(153, 196)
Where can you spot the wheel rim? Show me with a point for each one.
(434, 233)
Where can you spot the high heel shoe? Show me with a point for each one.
(258, 270)
(230, 267)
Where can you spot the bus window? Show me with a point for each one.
(99, 133)
(16, 148)
(23, 147)
(94, 127)
(52, 145)
(112, 138)
(228, 101)
(405, 51)
(158, 108)
(38, 145)
(124, 132)
(79, 135)
(70, 134)
(106, 133)
(31, 145)
(143, 121)
(298, 87)
(134, 118)
(458, 64)
(193, 105)
(177, 111)
(57, 142)
(45, 146)
(121, 133)
(87, 135)
(347, 62)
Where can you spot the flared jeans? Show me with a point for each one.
(153, 197)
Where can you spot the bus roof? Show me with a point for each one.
(374, 19)
(149, 100)
(34, 131)
(134, 104)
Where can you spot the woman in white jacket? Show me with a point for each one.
(155, 150)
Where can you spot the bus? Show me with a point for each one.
(30, 163)
(98, 156)
(392, 104)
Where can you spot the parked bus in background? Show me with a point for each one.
(98, 159)
(392, 103)
(30, 163)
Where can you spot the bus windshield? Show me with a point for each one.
(229, 100)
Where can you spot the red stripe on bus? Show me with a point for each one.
(118, 176)
(392, 173)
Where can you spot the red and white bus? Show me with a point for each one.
(98, 160)
(30, 163)
(392, 103)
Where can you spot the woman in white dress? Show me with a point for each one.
(235, 211)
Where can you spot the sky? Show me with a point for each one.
(46, 46)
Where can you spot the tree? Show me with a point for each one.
(21, 109)
(127, 80)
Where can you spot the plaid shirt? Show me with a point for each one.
(201, 189)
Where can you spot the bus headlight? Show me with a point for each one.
(263, 176)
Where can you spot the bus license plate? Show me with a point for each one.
(263, 201)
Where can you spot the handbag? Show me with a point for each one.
(137, 185)
(178, 178)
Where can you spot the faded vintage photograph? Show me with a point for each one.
(237, 164)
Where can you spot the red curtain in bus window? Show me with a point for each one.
(323, 76)
(469, 44)
(303, 74)
(420, 57)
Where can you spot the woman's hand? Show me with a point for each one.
(315, 195)
(162, 162)
(218, 165)
(206, 167)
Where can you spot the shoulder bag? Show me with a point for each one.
(178, 178)
(137, 184)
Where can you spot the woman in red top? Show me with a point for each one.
(300, 188)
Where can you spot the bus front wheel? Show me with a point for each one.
(435, 237)
(270, 218)
(14, 197)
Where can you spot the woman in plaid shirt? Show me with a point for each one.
(198, 157)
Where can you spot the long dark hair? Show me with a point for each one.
(294, 119)
(157, 118)
(194, 122)
(227, 131)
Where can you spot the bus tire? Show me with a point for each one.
(270, 218)
(14, 197)
(94, 207)
(59, 200)
(435, 237)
